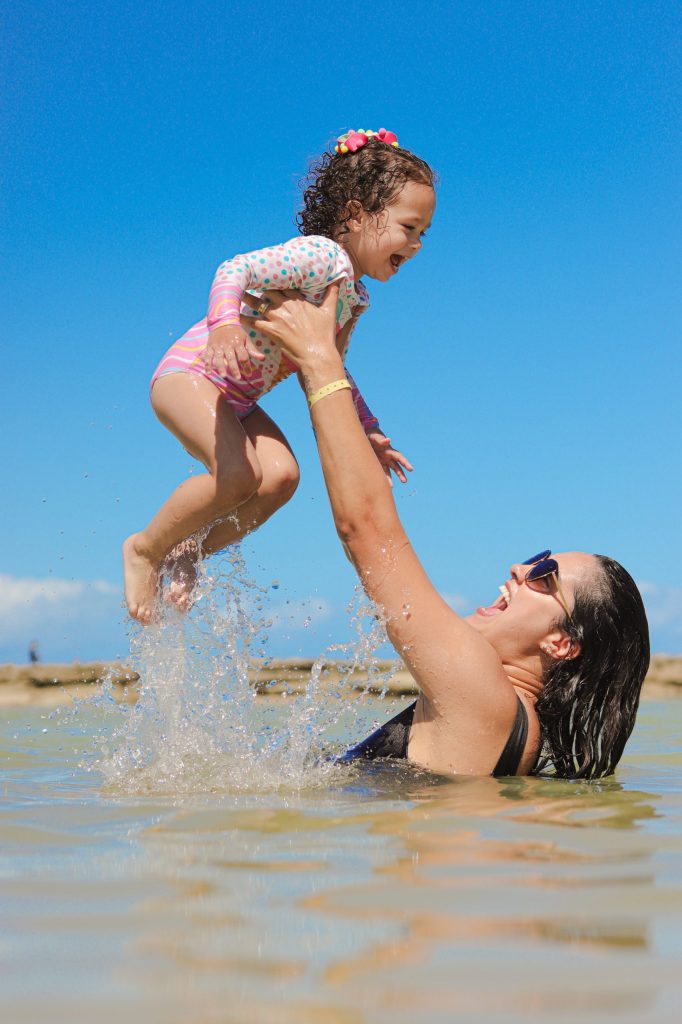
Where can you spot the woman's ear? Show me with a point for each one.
(560, 647)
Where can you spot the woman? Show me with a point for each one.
(546, 679)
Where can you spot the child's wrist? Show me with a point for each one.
(225, 324)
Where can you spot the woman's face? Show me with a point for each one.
(522, 622)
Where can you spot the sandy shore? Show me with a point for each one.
(53, 684)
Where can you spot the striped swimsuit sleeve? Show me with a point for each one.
(365, 415)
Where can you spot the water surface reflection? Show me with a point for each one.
(389, 896)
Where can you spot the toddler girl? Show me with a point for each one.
(365, 209)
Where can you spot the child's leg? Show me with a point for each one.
(280, 480)
(205, 424)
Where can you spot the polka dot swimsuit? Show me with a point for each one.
(307, 263)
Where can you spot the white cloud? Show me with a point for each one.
(47, 609)
(17, 596)
(663, 607)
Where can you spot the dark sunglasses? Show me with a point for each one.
(543, 573)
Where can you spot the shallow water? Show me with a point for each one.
(382, 896)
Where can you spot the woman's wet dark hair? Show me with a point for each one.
(588, 705)
(372, 176)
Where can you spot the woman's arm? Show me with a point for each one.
(458, 672)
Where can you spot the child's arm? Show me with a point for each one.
(229, 350)
(390, 458)
(308, 263)
(365, 414)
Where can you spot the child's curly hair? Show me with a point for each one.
(372, 176)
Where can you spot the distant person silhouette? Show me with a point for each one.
(33, 652)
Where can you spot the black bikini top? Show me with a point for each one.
(391, 740)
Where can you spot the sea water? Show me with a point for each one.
(196, 858)
(198, 723)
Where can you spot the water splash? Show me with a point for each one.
(199, 726)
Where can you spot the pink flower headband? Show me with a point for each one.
(352, 141)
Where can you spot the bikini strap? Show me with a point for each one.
(510, 758)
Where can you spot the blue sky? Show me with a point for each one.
(527, 361)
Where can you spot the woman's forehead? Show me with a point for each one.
(575, 563)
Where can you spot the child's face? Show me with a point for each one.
(378, 245)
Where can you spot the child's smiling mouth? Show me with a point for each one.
(397, 260)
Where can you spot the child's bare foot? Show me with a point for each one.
(140, 576)
(182, 567)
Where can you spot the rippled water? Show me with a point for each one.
(191, 859)
(381, 897)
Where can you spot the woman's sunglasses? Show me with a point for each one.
(543, 573)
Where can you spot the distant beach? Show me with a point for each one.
(50, 684)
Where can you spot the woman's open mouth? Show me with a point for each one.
(498, 606)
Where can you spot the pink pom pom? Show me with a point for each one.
(390, 138)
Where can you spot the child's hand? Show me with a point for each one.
(390, 458)
(229, 352)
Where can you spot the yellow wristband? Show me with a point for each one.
(328, 389)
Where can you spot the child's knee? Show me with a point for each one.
(288, 479)
(236, 487)
(281, 482)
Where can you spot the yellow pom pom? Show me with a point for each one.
(344, 149)
(395, 145)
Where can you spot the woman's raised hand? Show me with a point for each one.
(306, 332)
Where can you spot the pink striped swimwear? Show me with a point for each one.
(307, 263)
